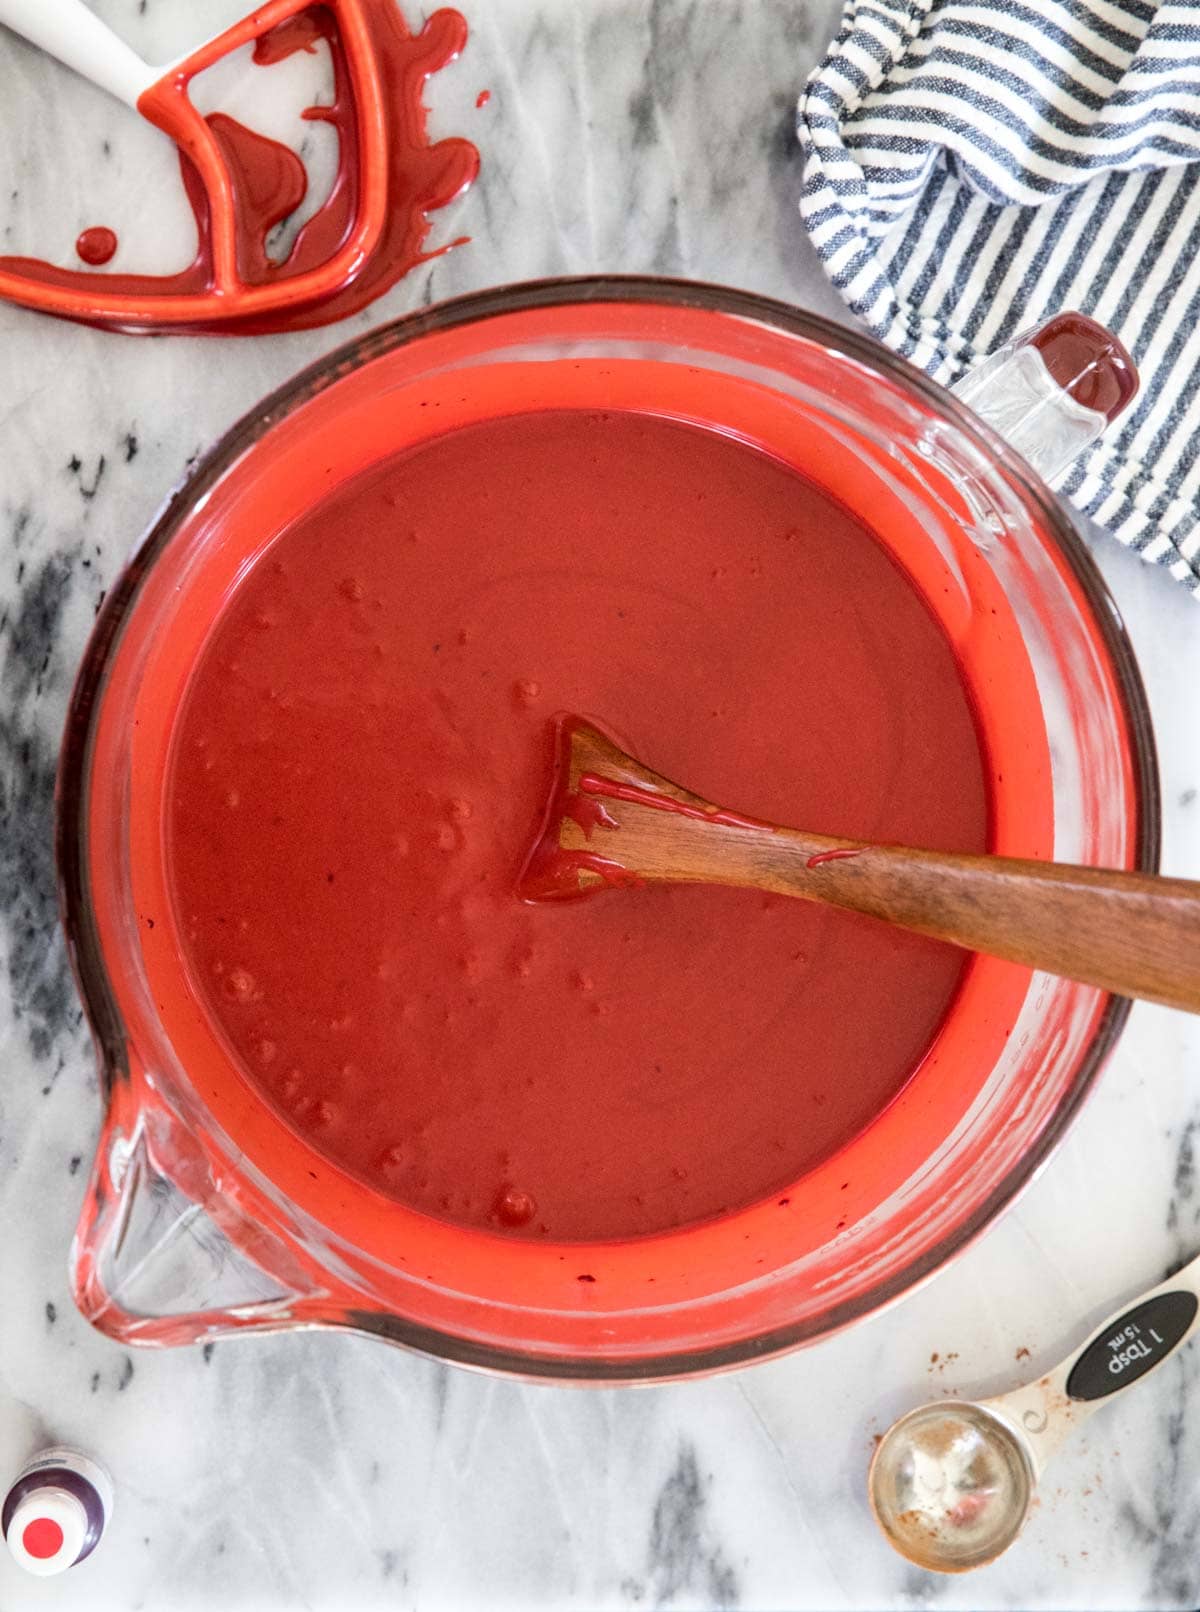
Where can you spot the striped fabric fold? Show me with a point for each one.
(973, 166)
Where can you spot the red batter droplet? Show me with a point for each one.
(483, 98)
(42, 1538)
(97, 245)
(514, 1207)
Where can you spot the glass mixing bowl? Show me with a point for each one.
(206, 1214)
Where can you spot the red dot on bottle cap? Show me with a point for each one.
(42, 1538)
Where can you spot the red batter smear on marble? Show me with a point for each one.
(269, 182)
(352, 786)
(97, 245)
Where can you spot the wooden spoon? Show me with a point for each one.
(611, 822)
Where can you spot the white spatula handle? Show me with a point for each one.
(71, 32)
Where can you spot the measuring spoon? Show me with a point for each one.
(952, 1483)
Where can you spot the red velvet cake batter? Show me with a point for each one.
(363, 756)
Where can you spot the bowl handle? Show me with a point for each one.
(161, 1254)
(1052, 391)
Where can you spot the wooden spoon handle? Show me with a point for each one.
(612, 821)
(1130, 933)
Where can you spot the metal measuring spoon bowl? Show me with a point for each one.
(951, 1484)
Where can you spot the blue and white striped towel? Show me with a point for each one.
(973, 166)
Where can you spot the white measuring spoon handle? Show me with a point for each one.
(75, 35)
(1127, 1347)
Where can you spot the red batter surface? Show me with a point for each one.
(363, 757)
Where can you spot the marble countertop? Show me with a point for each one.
(328, 1472)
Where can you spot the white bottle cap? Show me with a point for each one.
(47, 1530)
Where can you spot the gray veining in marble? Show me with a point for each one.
(320, 1472)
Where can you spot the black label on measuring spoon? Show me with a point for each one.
(1132, 1345)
